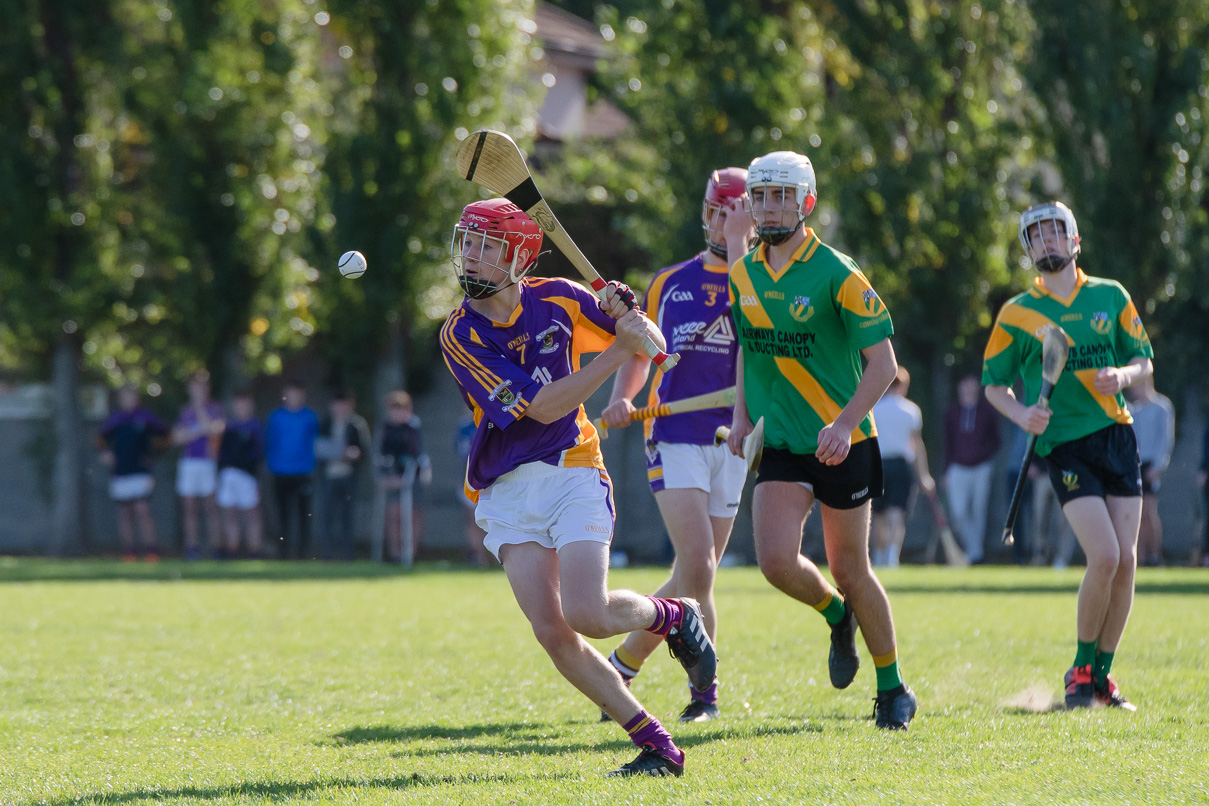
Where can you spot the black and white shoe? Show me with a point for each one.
(843, 661)
(699, 711)
(689, 644)
(894, 709)
(651, 762)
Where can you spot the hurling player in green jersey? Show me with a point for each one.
(1085, 434)
(805, 316)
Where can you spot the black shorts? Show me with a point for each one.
(1104, 462)
(898, 482)
(847, 485)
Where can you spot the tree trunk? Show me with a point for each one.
(68, 514)
(391, 373)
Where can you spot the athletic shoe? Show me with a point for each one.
(626, 682)
(1079, 690)
(894, 709)
(843, 660)
(650, 762)
(1109, 695)
(690, 645)
(699, 711)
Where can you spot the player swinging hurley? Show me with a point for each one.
(805, 317)
(543, 495)
(1085, 433)
(697, 484)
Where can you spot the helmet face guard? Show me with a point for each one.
(1050, 236)
(723, 188)
(782, 190)
(487, 244)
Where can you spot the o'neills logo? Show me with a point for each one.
(858, 495)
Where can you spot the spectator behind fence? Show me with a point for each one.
(904, 460)
(290, 456)
(198, 431)
(971, 440)
(127, 440)
(239, 458)
(343, 440)
(474, 533)
(400, 460)
(1154, 427)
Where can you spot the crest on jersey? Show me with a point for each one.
(801, 309)
(546, 338)
(503, 394)
(1101, 323)
(1070, 480)
(872, 303)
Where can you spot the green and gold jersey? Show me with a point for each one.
(1103, 329)
(802, 329)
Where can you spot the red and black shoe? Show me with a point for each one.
(1079, 688)
(1107, 694)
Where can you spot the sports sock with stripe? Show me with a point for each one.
(668, 613)
(832, 606)
(710, 695)
(888, 675)
(625, 663)
(1102, 665)
(645, 731)
(1085, 655)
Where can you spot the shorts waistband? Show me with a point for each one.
(529, 470)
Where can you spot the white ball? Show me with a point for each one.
(352, 264)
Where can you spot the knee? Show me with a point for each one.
(850, 572)
(1104, 563)
(587, 620)
(1128, 564)
(696, 575)
(554, 635)
(776, 567)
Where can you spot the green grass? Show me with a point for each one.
(258, 683)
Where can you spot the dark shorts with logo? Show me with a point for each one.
(1104, 462)
(898, 483)
(847, 485)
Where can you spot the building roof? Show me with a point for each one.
(564, 32)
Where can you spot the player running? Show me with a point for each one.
(535, 467)
(805, 316)
(1085, 435)
(697, 484)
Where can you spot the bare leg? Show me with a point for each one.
(845, 535)
(699, 540)
(126, 526)
(881, 538)
(896, 533)
(142, 513)
(189, 520)
(213, 522)
(1093, 526)
(394, 525)
(255, 530)
(1124, 513)
(779, 510)
(1150, 536)
(230, 522)
(533, 573)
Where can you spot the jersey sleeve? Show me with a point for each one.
(594, 328)
(862, 311)
(501, 389)
(1001, 361)
(1131, 341)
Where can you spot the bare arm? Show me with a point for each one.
(835, 439)
(740, 424)
(921, 463)
(1111, 380)
(626, 384)
(1032, 419)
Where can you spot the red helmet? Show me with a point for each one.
(492, 234)
(723, 188)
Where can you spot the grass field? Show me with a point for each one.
(257, 683)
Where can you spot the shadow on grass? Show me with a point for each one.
(89, 570)
(522, 739)
(275, 791)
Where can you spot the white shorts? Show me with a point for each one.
(547, 505)
(196, 478)
(132, 487)
(237, 489)
(712, 468)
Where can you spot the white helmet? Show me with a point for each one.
(786, 169)
(1053, 213)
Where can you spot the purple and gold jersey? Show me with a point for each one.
(691, 305)
(501, 366)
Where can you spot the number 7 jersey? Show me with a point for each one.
(501, 366)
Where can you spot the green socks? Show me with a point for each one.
(1103, 665)
(1086, 653)
(832, 608)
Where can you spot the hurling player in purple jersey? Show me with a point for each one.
(543, 495)
(697, 484)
